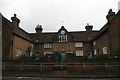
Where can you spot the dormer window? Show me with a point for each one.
(63, 38)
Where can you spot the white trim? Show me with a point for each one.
(47, 45)
(79, 44)
(47, 52)
(18, 52)
(79, 53)
(95, 52)
(94, 43)
(63, 38)
(104, 50)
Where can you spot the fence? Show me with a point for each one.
(64, 70)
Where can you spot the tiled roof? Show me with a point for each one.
(20, 32)
(83, 35)
(42, 38)
(48, 37)
(104, 28)
(16, 30)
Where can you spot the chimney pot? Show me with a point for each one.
(15, 20)
(88, 27)
(110, 15)
(39, 29)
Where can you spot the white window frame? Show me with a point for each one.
(95, 52)
(79, 44)
(104, 50)
(47, 45)
(63, 38)
(94, 43)
(79, 53)
(47, 52)
(18, 52)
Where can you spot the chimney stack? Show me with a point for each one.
(110, 15)
(39, 29)
(88, 27)
(15, 20)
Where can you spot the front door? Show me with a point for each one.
(62, 56)
(37, 56)
(90, 55)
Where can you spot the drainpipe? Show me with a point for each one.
(12, 40)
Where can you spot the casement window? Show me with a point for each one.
(95, 52)
(79, 44)
(105, 50)
(94, 43)
(47, 45)
(79, 53)
(47, 52)
(18, 52)
(63, 38)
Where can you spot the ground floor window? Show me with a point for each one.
(18, 52)
(79, 53)
(104, 50)
(95, 52)
(47, 52)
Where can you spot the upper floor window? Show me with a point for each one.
(79, 44)
(63, 38)
(47, 45)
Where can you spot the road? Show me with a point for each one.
(38, 78)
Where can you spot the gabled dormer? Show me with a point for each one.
(62, 35)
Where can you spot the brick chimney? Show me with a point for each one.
(15, 20)
(39, 29)
(110, 15)
(88, 27)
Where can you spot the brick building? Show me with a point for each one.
(77, 44)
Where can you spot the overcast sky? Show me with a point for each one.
(50, 13)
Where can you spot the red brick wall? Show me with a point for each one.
(20, 44)
(101, 42)
(113, 34)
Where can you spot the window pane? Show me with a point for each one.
(18, 52)
(105, 50)
(47, 45)
(79, 53)
(95, 52)
(80, 44)
(63, 38)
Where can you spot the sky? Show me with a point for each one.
(52, 14)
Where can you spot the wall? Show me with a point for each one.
(101, 42)
(6, 39)
(66, 47)
(21, 44)
(113, 34)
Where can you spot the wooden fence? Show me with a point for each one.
(68, 69)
